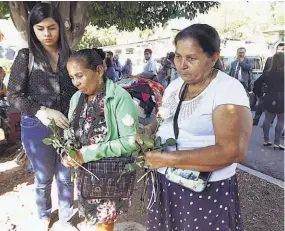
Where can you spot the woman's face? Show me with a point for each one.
(47, 32)
(85, 80)
(191, 61)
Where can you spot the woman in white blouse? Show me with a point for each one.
(214, 126)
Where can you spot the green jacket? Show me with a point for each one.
(122, 123)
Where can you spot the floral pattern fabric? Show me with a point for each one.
(93, 130)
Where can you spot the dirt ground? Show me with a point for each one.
(262, 202)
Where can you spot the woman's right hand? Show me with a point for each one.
(58, 117)
(46, 115)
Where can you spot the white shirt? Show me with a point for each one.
(195, 118)
(150, 66)
(239, 72)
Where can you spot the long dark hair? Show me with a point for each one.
(277, 63)
(40, 12)
(206, 36)
(92, 58)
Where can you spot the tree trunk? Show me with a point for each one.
(75, 18)
(19, 17)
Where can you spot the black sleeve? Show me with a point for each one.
(247, 64)
(267, 64)
(17, 87)
(258, 84)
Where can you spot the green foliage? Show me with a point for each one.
(4, 9)
(95, 37)
(127, 15)
(6, 64)
(88, 41)
(63, 147)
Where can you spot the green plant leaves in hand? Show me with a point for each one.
(72, 153)
(136, 153)
(170, 142)
(149, 143)
(158, 141)
(131, 167)
(47, 141)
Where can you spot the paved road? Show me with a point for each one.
(264, 159)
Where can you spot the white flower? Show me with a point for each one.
(128, 120)
(164, 112)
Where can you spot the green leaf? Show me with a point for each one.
(147, 141)
(72, 154)
(164, 147)
(158, 141)
(46, 141)
(131, 167)
(136, 153)
(170, 142)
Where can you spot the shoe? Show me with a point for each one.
(266, 144)
(278, 147)
(255, 123)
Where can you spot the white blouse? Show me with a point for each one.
(195, 118)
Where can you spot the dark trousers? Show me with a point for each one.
(259, 110)
(278, 129)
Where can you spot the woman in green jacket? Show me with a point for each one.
(105, 128)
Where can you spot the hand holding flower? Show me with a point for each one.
(155, 159)
(68, 162)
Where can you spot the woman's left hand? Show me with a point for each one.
(155, 159)
(69, 162)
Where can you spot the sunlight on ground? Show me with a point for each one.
(18, 210)
(8, 166)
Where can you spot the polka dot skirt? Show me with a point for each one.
(177, 208)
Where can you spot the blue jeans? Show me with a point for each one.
(47, 163)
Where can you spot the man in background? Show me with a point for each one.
(149, 70)
(241, 68)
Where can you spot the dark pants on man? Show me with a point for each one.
(259, 110)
